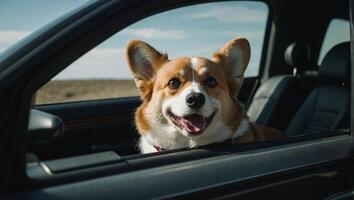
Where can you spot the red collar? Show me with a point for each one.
(158, 149)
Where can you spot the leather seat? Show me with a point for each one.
(278, 98)
(327, 106)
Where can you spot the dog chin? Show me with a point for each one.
(190, 125)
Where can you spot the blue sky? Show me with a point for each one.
(189, 31)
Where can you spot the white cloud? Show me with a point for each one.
(7, 38)
(250, 35)
(239, 14)
(99, 63)
(206, 51)
(155, 33)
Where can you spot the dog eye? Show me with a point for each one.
(210, 82)
(174, 83)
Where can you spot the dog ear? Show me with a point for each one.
(234, 58)
(143, 61)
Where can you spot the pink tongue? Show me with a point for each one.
(193, 124)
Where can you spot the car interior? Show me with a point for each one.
(76, 141)
(296, 103)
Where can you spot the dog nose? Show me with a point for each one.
(195, 100)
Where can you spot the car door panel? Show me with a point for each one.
(225, 176)
(92, 126)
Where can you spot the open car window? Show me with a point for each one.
(103, 72)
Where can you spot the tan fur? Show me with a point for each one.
(141, 122)
(144, 81)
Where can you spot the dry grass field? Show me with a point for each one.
(75, 90)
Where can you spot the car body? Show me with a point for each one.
(305, 167)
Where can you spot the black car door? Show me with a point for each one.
(311, 167)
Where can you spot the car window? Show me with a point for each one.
(337, 32)
(189, 31)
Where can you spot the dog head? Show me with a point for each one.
(188, 96)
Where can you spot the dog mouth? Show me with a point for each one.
(194, 124)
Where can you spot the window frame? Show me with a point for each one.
(25, 76)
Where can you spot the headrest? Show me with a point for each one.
(298, 55)
(336, 64)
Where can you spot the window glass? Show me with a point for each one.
(337, 32)
(196, 30)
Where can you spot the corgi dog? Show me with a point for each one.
(189, 102)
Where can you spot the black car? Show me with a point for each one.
(87, 149)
